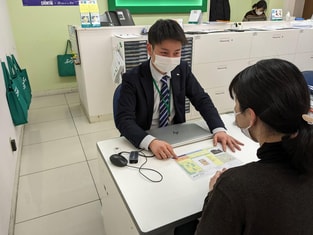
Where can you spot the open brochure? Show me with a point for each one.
(206, 161)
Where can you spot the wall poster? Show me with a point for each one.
(50, 2)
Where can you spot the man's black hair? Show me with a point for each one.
(166, 29)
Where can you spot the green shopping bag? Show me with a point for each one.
(21, 77)
(16, 102)
(23, 73)
(65, 62)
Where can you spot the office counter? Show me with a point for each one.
(216, 59)
(133, 205)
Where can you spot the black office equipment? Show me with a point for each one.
(119, 17)
(112, 17)
(133, 157)
(118, 160)
(124, 17)
(105, 20)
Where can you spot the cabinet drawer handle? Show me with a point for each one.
(225, 40)
(222, 67)
(276, 36)
(220, 93)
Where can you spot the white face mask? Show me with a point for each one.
(258, 12)
(245, 130)
(166, 64)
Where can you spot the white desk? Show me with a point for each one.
(133, 205)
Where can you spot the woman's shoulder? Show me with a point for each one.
(243, 176)
(251, 12)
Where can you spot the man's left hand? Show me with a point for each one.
(226, 140)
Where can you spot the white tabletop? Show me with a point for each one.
(177, 196)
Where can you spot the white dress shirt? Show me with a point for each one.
(155, 117)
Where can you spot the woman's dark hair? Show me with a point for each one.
(166, 29)
(277, 92)
(260, 4)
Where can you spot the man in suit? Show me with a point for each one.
(141, 97)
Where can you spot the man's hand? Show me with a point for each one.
(226, 140)
(162, 149)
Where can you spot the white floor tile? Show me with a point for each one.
(46, 131)
(89, 141)
(57, 193)
(54, 190)
(47, 101)
(81, 220)
(84, 127)
(52, 154)
(76, 110)
(72, 98)
(48, 114)
(94, 167)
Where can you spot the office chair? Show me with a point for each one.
(308, 76)
(116, 97)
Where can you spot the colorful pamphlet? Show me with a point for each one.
(89, 13)
(206, 162)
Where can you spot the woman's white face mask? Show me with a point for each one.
(258, 12)
(166, 64)
(245, 130)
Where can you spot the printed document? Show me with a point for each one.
(206, 161)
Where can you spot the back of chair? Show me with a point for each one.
(116, 97)
(308, 76)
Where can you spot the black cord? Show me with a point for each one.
(141, 168)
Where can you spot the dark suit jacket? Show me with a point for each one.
(135, 106)
(219, 10)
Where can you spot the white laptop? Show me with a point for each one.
(181, 134)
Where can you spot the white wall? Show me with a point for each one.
(8, 159)
(295, 7)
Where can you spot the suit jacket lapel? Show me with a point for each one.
(175, 83)
(147, 83)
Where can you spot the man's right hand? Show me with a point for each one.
(162, 149)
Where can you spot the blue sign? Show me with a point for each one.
(50, 2)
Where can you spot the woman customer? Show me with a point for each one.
(274, 194)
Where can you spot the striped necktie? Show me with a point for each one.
(164, 103)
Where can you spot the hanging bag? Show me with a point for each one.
(16, 102)
(21, 75)
(65, 62)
